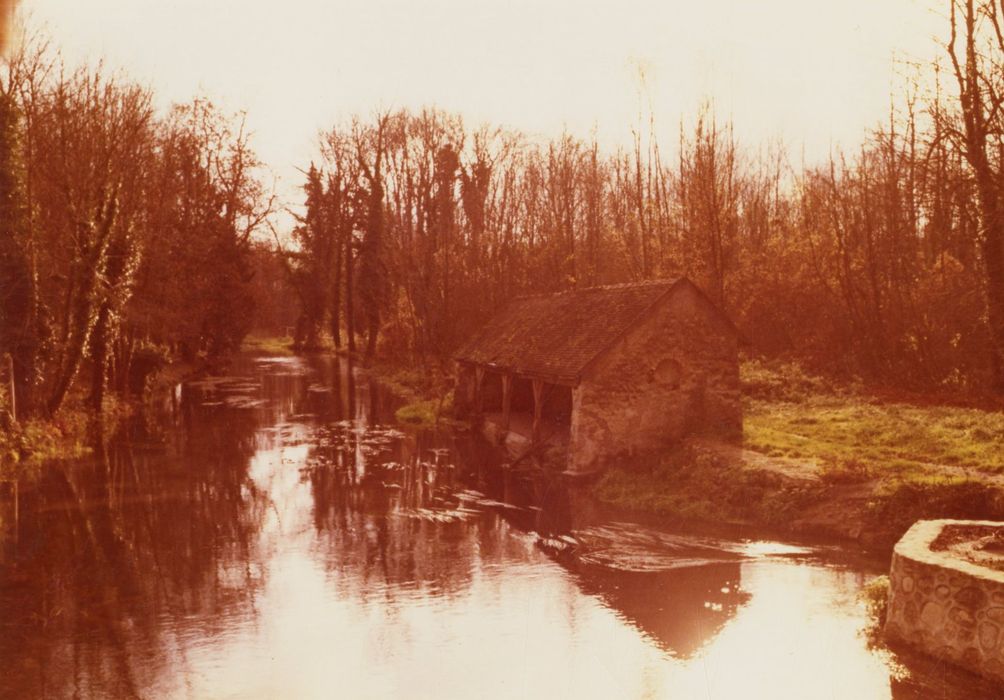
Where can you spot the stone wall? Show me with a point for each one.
(675, 374)
(945, 605)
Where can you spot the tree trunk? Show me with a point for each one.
(372, 332)
(992, 246)
(336, 298)
(350, 321)
(99, 359)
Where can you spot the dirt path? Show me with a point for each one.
(798, 469)
(810, 469)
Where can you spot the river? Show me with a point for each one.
(272, 534)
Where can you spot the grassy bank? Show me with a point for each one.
(29, 444)
(68, 435)
(824, 459)
(696, 483)
(427, 392)
(268, 345)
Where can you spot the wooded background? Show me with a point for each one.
(885, 263)
(129, 237)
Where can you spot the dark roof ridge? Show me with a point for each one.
(667, 281)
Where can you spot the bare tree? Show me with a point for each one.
(976, 50)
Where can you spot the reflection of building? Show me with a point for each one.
(680, 609)
(609, 371)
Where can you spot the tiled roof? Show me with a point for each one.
(555, 336)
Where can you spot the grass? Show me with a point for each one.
(899, 504)
(791, 413)
(418, 413)
(429, 413)
(887, 438)
(427, 392)
(69, 435)
(267, 345)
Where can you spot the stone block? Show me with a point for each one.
(944, 604)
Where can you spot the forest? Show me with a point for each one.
(127, 238)
(131, 238)
(883, 264)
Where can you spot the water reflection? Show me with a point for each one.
(109, 547)
(268, 535)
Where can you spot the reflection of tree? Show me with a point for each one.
(378, 524)
(385, 505)
(112, 551)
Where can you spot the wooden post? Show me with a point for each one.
(12, 397)
(538, 405)
(479, 378)
(506, 402)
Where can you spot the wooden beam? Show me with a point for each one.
(538, 406)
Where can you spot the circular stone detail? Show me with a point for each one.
(668, 373)
(932, 615)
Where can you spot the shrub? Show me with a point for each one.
(781, 381)
(907, 502)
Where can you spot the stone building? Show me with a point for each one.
(604, 372)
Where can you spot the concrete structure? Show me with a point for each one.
(944, 604)
(605, 372)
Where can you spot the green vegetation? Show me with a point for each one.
(267, 345)
(427, 392)
(412, 383)
(887, 438)
(67, 435)
(419, 413)
(875, 595)
(428, 413)
(791, 414)
(25, 446)
(898, 504)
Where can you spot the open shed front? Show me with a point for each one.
(520, 412)
(646, 364)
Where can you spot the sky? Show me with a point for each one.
(812, 73)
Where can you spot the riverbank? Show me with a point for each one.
(69, 435)
(427, 393)
(26, 445)
(824, 460)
